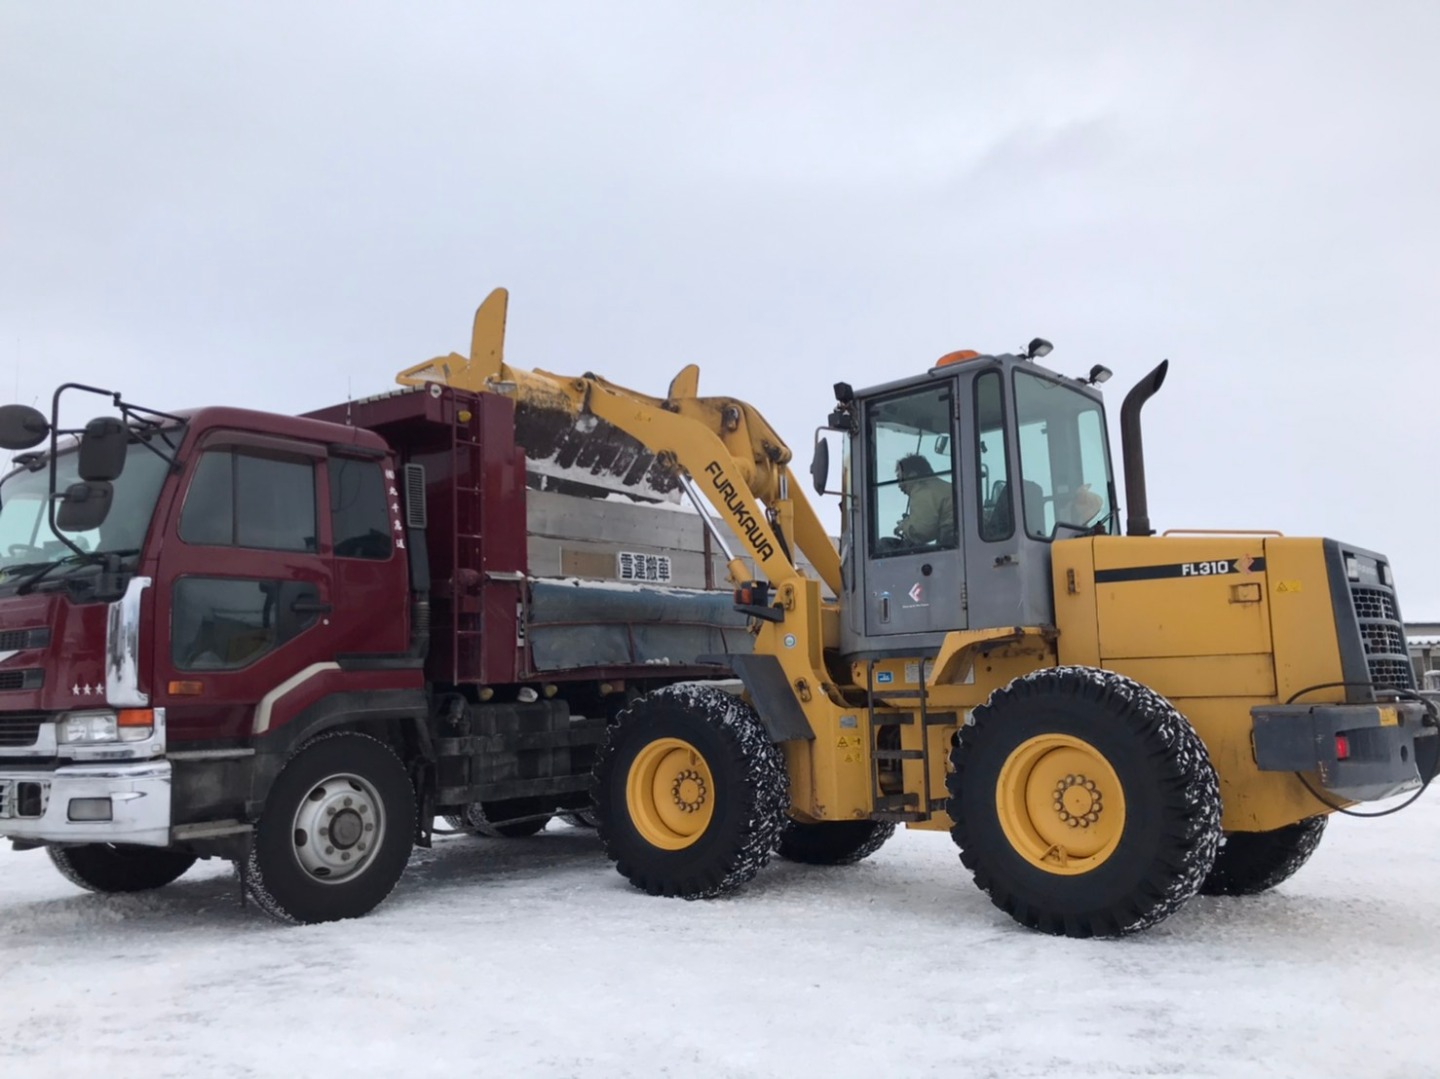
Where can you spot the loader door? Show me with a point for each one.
(913, 552)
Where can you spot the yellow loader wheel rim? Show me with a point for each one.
(1060, 804)
(670, 793)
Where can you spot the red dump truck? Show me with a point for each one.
(295, 641)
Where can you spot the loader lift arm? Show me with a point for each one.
(730, 453)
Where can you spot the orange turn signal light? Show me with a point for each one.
(957, 357)
(186, 689)
(135, 717)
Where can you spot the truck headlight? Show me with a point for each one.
(82, 727)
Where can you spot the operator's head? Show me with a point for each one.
(911, 468)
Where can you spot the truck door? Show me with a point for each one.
(244, 594)
(914, 562)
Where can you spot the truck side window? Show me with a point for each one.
(912, 473)
(992, 488)
(359, 509)
(239, 498)
(224, 623)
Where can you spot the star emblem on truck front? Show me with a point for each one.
(81, 690)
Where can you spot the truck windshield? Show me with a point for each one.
(25, 535)
(1064, 458)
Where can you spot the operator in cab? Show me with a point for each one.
(930, 514)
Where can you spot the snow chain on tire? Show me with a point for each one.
(1253, 862)
(1164, 809)
(833, 842)
(751, 799)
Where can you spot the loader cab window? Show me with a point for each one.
(911, 477)
(1064, 458)
(992, 482)
(245, 498)
(359, 509)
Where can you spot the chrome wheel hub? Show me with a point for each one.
(338, 828)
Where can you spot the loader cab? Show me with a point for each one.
(956, 484)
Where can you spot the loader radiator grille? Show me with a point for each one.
(1392, 674)
(20, 728)
(1383, 636)
(1374, 603)
(1382, 639)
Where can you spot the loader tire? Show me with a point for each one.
(690, 793)
(335, 834)
(1253, 862)
(833, 842)
(1084, 803)
(109, 869)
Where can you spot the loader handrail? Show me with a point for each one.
(729, 450)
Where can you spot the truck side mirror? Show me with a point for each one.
(22, 427)
(820, 464)
(84, 506)
(103, 447)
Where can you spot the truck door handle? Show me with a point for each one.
(884, 606)
(309, 606)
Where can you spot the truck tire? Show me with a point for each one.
(1253, 862)
(1084, 803)
(690, 793)
(108, 869)
(335, 834)
(479, 819)
(833, 842)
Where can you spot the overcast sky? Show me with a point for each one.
(275, 205)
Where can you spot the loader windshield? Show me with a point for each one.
(1064, 458)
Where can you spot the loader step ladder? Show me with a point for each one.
(906, 806)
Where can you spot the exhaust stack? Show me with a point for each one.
(1132, 451)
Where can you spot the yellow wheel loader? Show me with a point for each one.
(1106, 724)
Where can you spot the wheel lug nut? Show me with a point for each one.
(361, 846)
(330, 812)
(345, 857)
(329, 850)
(369, 827)
(364, 809)
(349, 802)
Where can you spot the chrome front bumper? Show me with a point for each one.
(138, 792)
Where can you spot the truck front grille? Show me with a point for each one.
(20, 728)
(18, 640)
(31, 679)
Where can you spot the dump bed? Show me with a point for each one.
(617, 588)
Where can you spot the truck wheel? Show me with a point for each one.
(479, 818)
(1084, 803)
(833, 842)
(1253, 862)
(690, 792)
(336, 831)
(105, 868)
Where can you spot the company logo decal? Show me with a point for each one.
(746, 521)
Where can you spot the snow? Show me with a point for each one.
(534, 958)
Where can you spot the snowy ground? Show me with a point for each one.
(532, 957)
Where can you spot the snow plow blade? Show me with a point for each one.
(566, 449)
